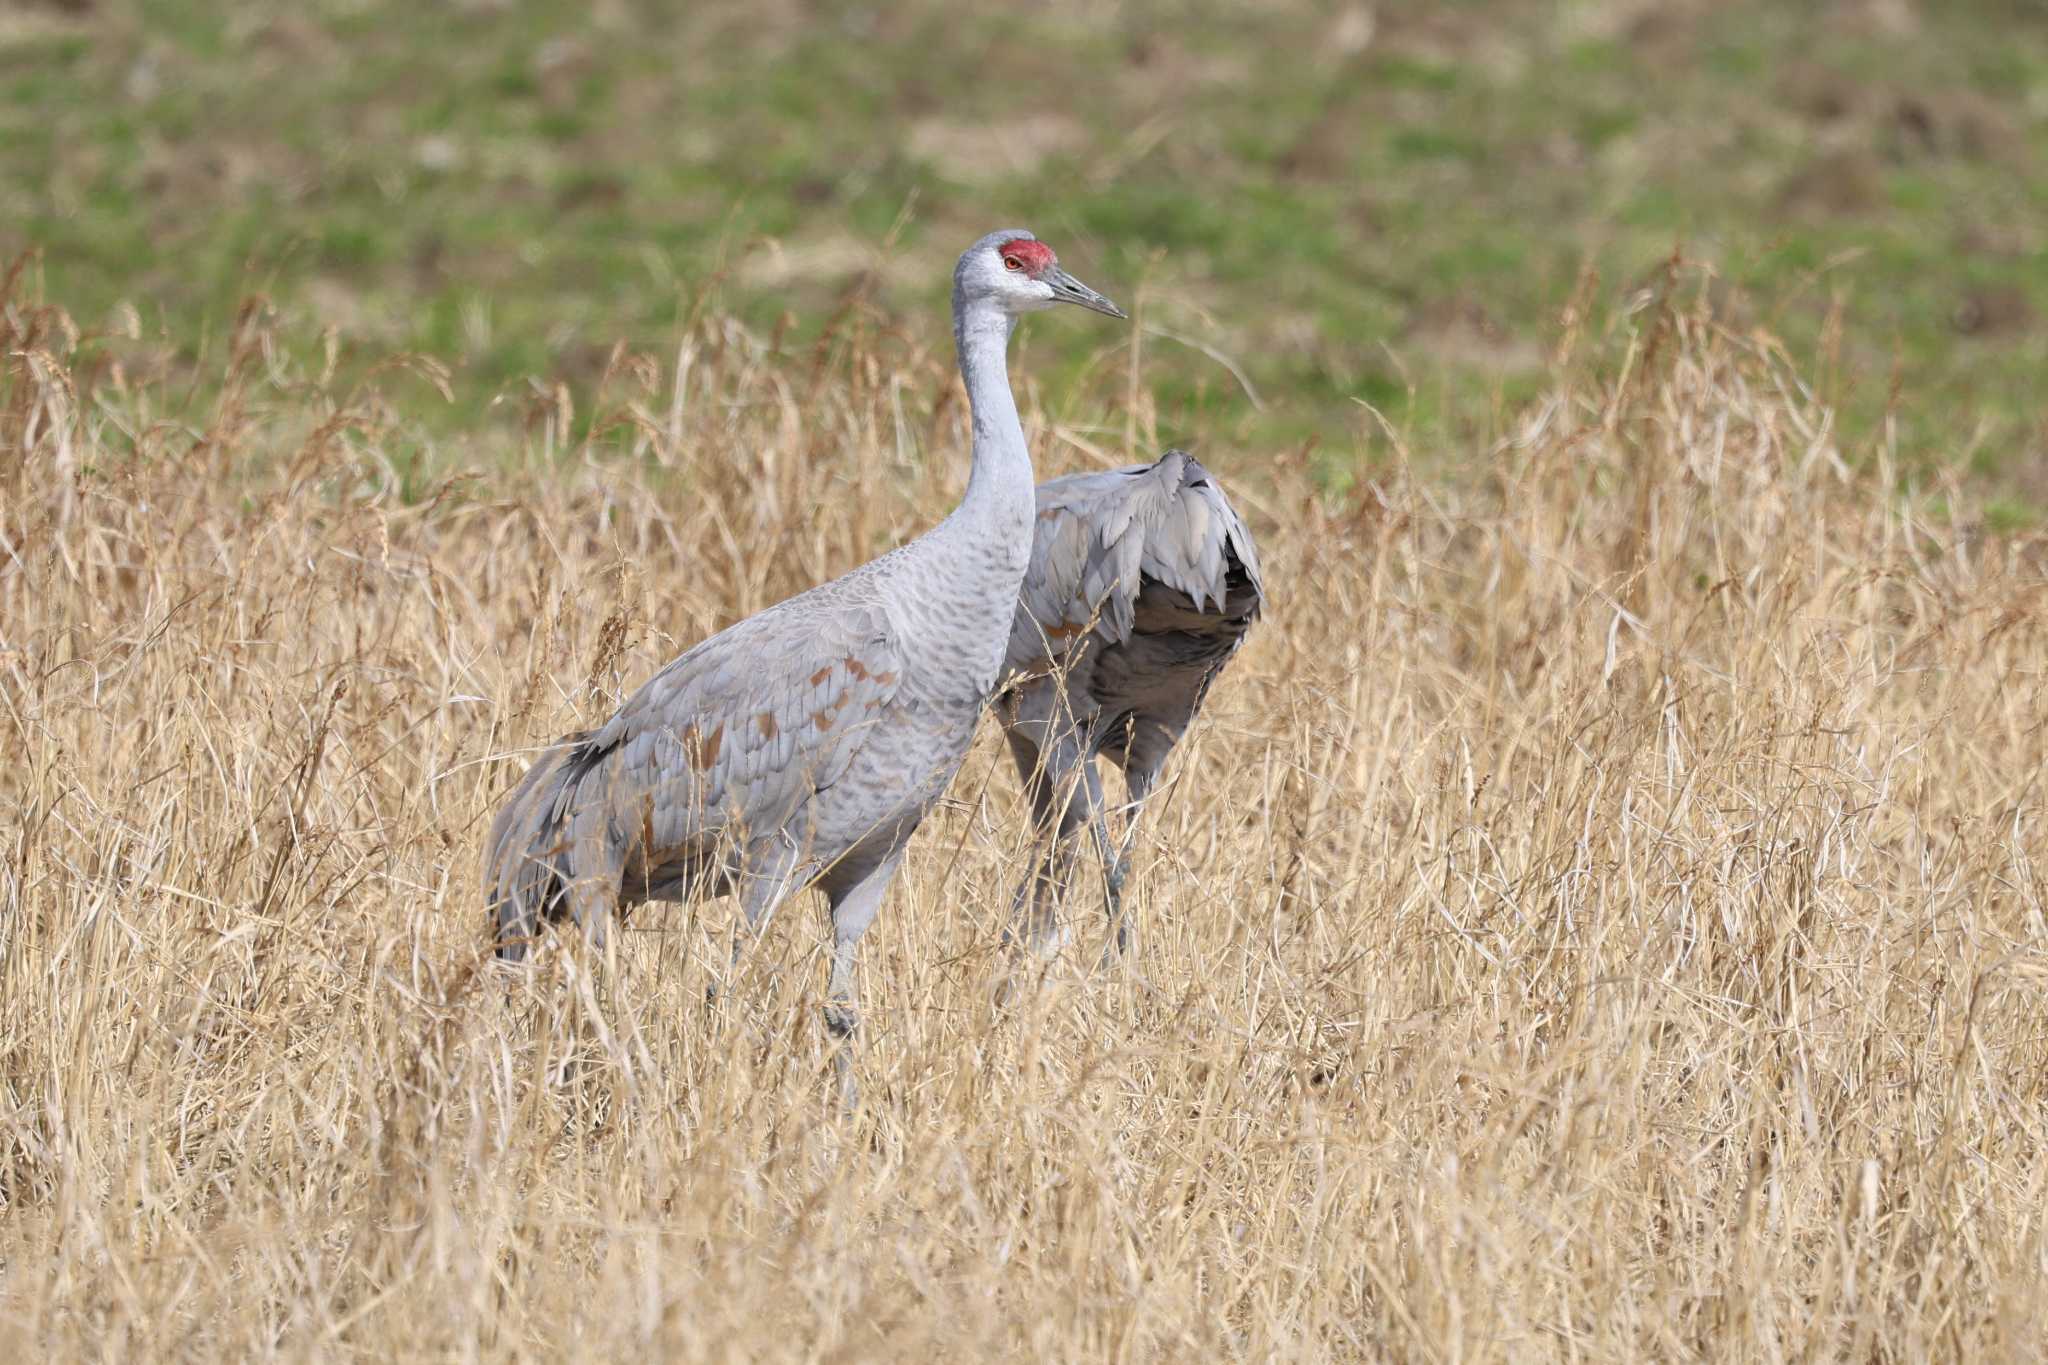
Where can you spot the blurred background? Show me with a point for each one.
(1314, 204)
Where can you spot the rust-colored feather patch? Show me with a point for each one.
(701, 751)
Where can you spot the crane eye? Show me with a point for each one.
(1013, 263)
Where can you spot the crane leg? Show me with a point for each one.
(772, 871)
(854, 907)
(1112, 869)
(1116, 861)
(1055, 779)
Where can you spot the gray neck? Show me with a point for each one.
(999, 490)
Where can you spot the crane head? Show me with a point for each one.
(1023, 275)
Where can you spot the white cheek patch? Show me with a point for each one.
(1030, 296)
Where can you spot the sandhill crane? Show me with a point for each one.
(803, 745)
(1142, 584)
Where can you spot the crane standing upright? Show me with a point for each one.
(1143, 582)
(803, 745)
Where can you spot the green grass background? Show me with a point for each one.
(1387, 202)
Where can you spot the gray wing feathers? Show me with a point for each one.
(1098, 537)
(728, 741)
(750, 729)
(740, 730)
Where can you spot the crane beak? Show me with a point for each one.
(1067, 289)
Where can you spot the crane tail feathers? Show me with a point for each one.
(526, 863)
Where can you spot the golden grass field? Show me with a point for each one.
(1599, 916)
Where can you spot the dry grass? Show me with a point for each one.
(1600, 918)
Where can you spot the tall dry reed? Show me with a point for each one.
(1599, 917)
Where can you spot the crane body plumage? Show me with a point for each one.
(1142, 583)
(803, 745)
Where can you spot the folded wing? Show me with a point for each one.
(724, 745)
